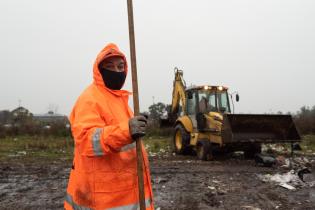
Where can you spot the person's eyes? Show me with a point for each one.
(121, 67)
(109, 66)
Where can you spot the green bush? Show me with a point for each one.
(164, 132)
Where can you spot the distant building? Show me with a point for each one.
(21, 116)
(50, 117)
(21, 112)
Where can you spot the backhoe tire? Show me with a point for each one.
(181, 140)
(252, 150)
(204, 150)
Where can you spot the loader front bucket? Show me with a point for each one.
(260, 128)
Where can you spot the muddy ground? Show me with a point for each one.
(178, 183)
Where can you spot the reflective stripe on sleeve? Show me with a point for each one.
(128, 147)
(75, 206)
(133, 206)
(96, 142)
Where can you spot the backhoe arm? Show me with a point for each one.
(179, 87)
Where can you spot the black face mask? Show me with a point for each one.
(112, 79)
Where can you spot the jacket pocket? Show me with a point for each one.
(114, 182)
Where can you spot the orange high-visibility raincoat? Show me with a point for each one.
(104, 171)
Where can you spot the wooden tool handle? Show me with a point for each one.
(136, 102)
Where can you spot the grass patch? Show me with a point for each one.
(308, 143)
(36, 148)
(156, 132)
(30, 147)
(157, 144)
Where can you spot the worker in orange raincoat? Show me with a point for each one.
(104, 171)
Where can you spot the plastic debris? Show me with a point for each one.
(289, 180)
(265, 160)
(211, 188)
(287, 186)
(216, 181)
(250, 208)
(160, 180)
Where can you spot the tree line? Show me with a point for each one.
(22, 122)
(305, 120)
(26, 125)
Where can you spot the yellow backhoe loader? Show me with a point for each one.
(204, 124)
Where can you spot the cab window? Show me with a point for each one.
(191, 103)
(223, 103)
(207, 102)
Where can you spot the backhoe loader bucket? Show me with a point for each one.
(259, 128)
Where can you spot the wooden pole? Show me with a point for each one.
(136, 102)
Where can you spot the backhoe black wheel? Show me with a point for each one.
(204, 150)
(181, 140)
(253, 149)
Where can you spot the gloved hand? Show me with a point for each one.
(137, 126)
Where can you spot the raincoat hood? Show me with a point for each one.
(109, 50)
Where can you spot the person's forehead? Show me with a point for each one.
(114, 59)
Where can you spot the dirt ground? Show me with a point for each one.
(179, 182)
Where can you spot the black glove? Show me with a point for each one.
(137, 126)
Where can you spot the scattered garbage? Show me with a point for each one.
(265, 160)
(292, 179)
(159, 153)
(159, 180)
(310, 179)
(307, 176)
(216, 190)
(216, 181)
(211, 188)
(221, 191)
(250, 208)
(296, 146)
(285, 178)
(21, 153)
(287, 186)
(272, 148)
(302, 172)
(281, 179)
(282, 161)
(299, 162)
(295, 163)
(18, 154)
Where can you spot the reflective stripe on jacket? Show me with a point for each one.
(104, 174)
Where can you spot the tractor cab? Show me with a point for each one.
(206, 105)
(205, 99)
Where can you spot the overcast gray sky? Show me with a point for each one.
(265, 50)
